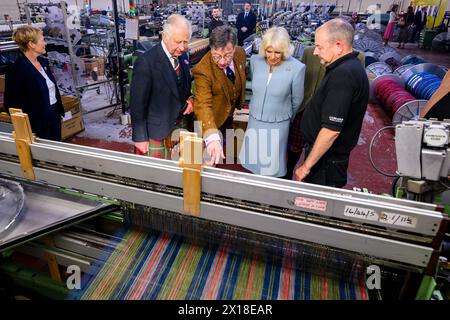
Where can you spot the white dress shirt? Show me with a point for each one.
(169, 56)
(51, 87)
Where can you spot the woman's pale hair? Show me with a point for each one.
(278, 39)
(24, 34)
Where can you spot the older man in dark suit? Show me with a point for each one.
(161, 90)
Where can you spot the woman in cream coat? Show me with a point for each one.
(277, 85)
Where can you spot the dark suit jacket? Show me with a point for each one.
(418, 19)
(26, 89)
(156, 102)
(250, 23)
(410, 18)
(214, 24)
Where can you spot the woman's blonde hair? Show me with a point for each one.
(24, 34)
(277, 38)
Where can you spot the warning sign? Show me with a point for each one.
(308, 203)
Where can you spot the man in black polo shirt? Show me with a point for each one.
(332, 121)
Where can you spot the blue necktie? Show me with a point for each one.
(230, 74)
(245, 16)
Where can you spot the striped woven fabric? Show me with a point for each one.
(163, 266)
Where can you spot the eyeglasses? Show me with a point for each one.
(227, 57)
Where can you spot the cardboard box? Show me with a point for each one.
(71, 127)
(94, 64)
(71, 103)
(2, 83)
(5, 123)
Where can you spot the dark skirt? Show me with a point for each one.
(403, 34)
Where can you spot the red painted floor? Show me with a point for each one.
(102, 144)
(361, 173)
(433, 56)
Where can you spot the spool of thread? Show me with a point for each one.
(423, 85)
(392, 95)
(369, 60)
(413, 59)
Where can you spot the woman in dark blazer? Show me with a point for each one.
(30, 86)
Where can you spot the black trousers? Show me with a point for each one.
(330, 170)
(416, 31)
(292, 159)
(52, 129)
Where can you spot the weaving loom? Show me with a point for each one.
(153, 265)
(298, 240)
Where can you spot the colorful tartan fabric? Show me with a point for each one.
(156, 149)
(162, 266)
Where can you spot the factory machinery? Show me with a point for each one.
(319, 233)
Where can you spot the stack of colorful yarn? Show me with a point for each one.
(423, 84)
(392, 95)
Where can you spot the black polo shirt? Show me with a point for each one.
(339, 104)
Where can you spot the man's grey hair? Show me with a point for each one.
(221, 36)
(176, 21)
(338, 30)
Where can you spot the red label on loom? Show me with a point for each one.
(308, 203)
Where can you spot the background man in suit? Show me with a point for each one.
(216, 20)
(219, 88)
(161, 90)
(420, 20)
(245, 23)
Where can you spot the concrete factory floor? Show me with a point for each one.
(104, 130)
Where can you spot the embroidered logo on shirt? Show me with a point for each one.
(334, 119)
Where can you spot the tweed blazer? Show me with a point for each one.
(443, 89)
(215, 95)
